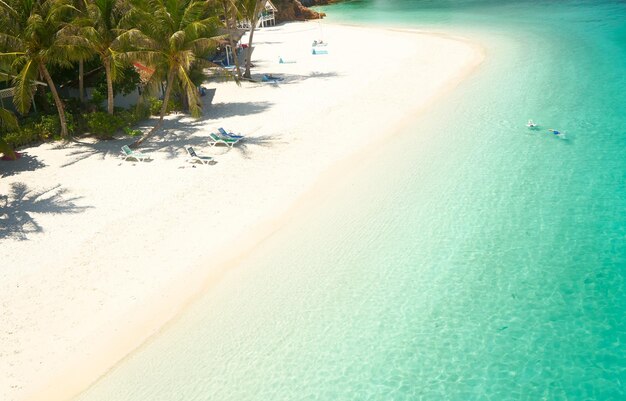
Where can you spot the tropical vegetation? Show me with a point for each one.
(162, 47)
(8, 121)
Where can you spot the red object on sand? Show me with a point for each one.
(8, 158)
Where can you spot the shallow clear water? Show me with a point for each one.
(473, 259)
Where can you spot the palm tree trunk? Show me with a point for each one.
(233, 47)
(249, 54)
(235, 56)
(255, 19)
(81, 81)
(107, 71)
(231, 25)
(57, 100)
(166, 98)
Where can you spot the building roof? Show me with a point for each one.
(269, 6)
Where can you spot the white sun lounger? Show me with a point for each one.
(194, 158)
(216, 139)
(128, 153)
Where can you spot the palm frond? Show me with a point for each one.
(23, 90)
(8, 119)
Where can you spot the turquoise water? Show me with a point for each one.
(473, 260)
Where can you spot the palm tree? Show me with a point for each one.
(80, 6)
(230, 20)
(33, 39)
(172, 33)
(251, 9)
(103, 33)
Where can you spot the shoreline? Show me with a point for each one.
(157, 308)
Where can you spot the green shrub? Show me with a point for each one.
(128, 117)
(136, 114)
(24, 136)
(35, 129)
(155, 106)
(98, 97)
(48, 126)
(103, 125)
(174, 105)
(133, 132)
(80, 125)
(141, 112)
(51, 104)
(6, 149)
(69, 121)
(100, 124)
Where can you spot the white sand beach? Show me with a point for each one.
(99, 253)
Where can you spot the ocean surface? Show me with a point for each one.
(472, 259)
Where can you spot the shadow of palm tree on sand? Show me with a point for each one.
(265, 141)
(84, 150)
(18, 207)
(25, 163)
(233, 109)
(289, 79)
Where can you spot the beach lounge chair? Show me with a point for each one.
(230, 68)
(227, 134)
(218, 139)
(128, 153)
(194, 158)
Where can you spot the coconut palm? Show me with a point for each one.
(231, 12)
(251, 10)
(80, 6)
(173, 32)
(33, 39)
(101, 29)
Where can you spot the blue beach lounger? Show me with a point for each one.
(227, 134)
(128, 153)
(319, 51)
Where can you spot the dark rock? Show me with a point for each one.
(293, 10)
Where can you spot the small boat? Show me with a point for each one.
(531, 124)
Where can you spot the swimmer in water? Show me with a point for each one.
(555, 132)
